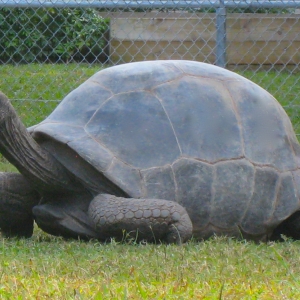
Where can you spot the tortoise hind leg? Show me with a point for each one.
(152, 220)
(289, 228)
(17, 198)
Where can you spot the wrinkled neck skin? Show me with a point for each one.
(35, 163)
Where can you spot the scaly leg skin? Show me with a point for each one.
(152, 220)
(17, 198)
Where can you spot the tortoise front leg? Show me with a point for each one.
(152, 220)
(108, 216)
(17, 199)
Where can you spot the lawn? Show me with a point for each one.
(35, 89)
(46, 267)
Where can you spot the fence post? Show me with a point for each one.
(221, 35)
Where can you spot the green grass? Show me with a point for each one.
(46, 267)
(36, 89)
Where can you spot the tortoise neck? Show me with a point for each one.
(35, 163)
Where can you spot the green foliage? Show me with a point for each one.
(51, 35)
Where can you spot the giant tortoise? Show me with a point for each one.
(158, 150)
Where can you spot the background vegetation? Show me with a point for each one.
(51, 35)
(46, 267)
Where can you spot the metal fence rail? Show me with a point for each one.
(48, 47)
(113, 4)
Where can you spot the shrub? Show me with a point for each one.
(51, 35)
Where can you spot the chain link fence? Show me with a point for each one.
(47, 48)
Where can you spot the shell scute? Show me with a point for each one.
(203, 118)
(209, 71)
(266, 140)
(56, 131)
(262, 203)
(232, 178)
(287, 190)
(296, 177)
(194, 180)
(126, 177)
(137, 76)
(89, 149)
(78, 107)
(159, 183)
(136, 129)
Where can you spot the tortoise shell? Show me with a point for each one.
(203, 136)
